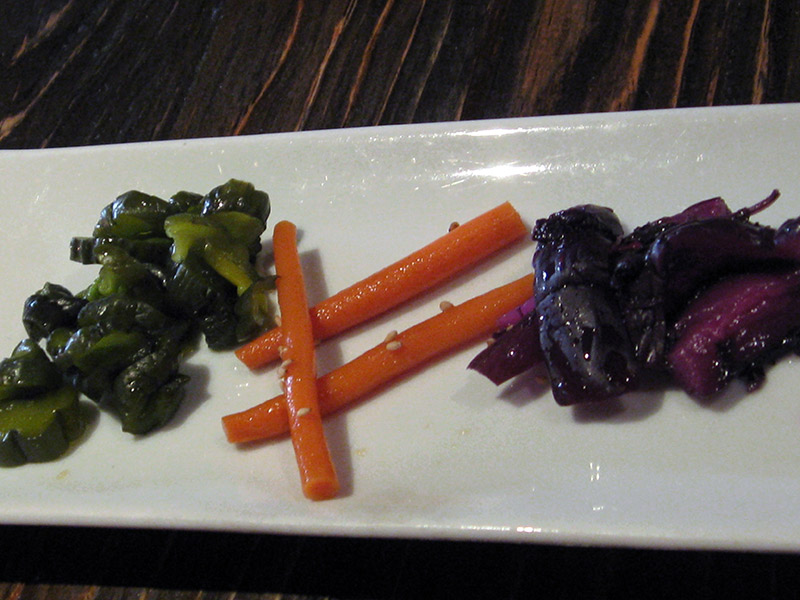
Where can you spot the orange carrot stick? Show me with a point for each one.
(429, 266)
(412, 348)
(304, 420)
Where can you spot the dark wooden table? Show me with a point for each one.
(79, 72)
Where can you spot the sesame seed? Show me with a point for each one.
(283, 366)
(278, 320)
(390, 336)
(453, 225)
(445, 305)
(303, 411)
(391, 346)
(282, 351)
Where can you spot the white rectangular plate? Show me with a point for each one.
(443, 454)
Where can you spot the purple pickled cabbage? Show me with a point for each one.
(787, 240)
(516, 315)
(512, 351)
(733, 329)
(705, 295)
(660, 266)
(689, 256)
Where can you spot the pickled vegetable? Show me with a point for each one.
(581, 332)
(28, 372)
(702, 297)
(169, 270)
(39, 429)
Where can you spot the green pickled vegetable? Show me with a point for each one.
(48, 309)
(254, 311)
(208, 238)
(239, 196)
(39, 429)
(88, 250)
(186, 202)
(190, 233)
(169, 270)
(123, 275)
(148, 392)
(233, 263)
(134, 215)
(194, 287)
(242, 227)
(27, 372)
(122, 312)
(92, 348)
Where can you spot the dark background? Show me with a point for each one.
(107, 71)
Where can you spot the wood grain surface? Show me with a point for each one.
(101, 71)
(79, 72)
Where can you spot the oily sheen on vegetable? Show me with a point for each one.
(705, 297)
(169, 270)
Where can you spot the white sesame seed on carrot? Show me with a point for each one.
(283, 366)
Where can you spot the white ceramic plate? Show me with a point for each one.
(444, 454)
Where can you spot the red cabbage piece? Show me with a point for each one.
(705, 295)
(733, 329)
(513, 350)
(516, 315)
(660, 266)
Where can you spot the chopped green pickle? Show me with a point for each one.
(233, 264)
(170, 271)
(134, 215)
(39, 429)
(242, 227)
(27, 372)
(237, 195)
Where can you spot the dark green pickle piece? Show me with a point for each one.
(185, 201)
(39, 429)
(91, 348)
(134, 215)
(89, 250)
(254, 311)
(122, 274)
(208, 237)
(148, 392)
(239, 196)
(50, 308)
(121, 312)
(27, 372)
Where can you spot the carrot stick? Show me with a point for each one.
(462, 247)
(412, 348)
(304, 420)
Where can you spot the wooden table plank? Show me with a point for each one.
(117, 71)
